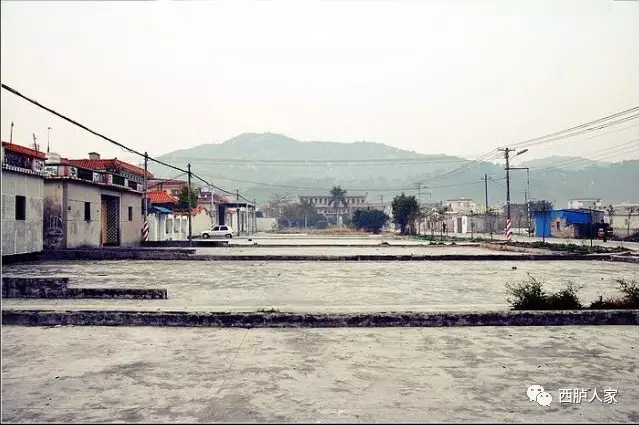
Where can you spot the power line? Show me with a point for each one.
(531, 141)
(120, 145)
(618, 149)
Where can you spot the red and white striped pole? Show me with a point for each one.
(509, 232)
(145, 231)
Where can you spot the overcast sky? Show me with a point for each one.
(454, 77)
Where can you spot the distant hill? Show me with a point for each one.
(282, 164)
(565, 162)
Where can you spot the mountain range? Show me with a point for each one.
(260, 164)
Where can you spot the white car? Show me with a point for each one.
(218, 231)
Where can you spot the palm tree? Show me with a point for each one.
(338, 196)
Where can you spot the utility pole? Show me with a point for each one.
(145, 225)
(35, 144)
(48, 137)
(11, 134)
(213, 209)
(507, 152)
(486, 214)
(254, 216)
(189, 206)
(419, 194)
(237, 209)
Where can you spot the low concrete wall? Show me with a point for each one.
(185, 244)
(118, 254)
(57, 287)
(318, 320)
(27, 287)
(451, 257)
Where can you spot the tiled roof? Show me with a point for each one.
(23, 150)
(160, 197)
(109, 164)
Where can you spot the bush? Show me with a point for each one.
(566, 299)
(527, 295)
(629, 298)
(530, 295)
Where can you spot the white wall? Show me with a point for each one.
(22, 236)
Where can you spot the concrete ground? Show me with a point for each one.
(314, 286)
(105, 374)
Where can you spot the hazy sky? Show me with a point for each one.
(455, 77)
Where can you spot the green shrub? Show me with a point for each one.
(527, 295)
(566, 299)
(628, 300)
(530, 295)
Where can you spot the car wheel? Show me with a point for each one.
(205, 236)
(229, 236)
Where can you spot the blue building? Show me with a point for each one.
(575, 223)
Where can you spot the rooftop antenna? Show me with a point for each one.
(35, 145)
(48, 137)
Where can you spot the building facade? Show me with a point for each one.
(322, 204)
(91, 203)
(585, 203)
(460, 206)
(22, 199)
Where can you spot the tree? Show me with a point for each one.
(338, 196)
(405, 208)
(276, 203)
(183, 199)
(370, 220)
(610, 210)
(306, 209)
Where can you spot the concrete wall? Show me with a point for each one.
(81, 232)
(64, 223)
(130, 230)
(266, 224)
(21, 236)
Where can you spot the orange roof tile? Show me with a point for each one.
(109, 164)
(160, 197)
(32, 153)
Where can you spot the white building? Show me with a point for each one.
(585, 203)
(461, 205)
(22, 199)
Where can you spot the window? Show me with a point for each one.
(558, 225)
(87, 211)
(21, 208)
(168, 224)
(224, 228)
(130, 213)
(216, 228)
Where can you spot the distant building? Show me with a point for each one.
(624, 219)
(22, 199)
(461, 205)
(92, 202)
(160, 198)
(585, 203)
(321, 204)
(171, 187)
(569, 223)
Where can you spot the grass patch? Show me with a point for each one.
(569, 247)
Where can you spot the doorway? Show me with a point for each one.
(110, 221)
